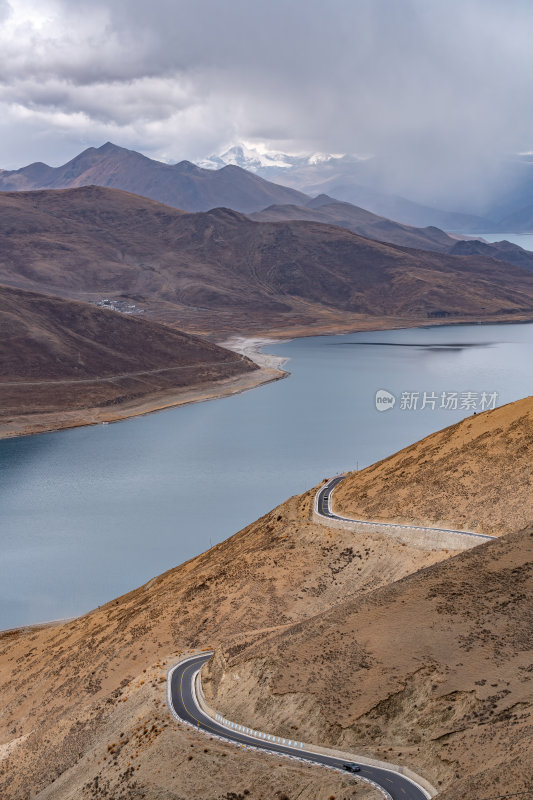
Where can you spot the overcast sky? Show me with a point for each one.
(420, 81)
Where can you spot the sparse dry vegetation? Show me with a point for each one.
(474, 475)
(70, 690)
(412, 656)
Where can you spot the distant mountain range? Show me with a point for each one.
(182, 185)
(355, 180)
(249, 180)
(398, 208)
(231, 185)
(220, 272)
(193, 188)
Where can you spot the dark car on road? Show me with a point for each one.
(351, 767)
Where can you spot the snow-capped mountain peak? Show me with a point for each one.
(262, 161)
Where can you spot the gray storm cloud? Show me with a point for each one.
(439, 91)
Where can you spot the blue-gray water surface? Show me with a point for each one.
(90, 513)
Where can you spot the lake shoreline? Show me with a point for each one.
(93, 513)
(249, 345)
(55, 421)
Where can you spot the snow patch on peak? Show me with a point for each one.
(259, 159)
(250, 158)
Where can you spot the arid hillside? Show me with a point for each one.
(475, 475)
(504, 250)
(62, 358)
(220, 272)
(358, 220)
(334, 212)
(83, 703)
(363, 641)
(433, 671)
(182, 185)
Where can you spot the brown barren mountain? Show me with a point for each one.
(504, 250)
(65, 363)
(185, 185)
(189, 187)
(334, 212)
(182, 185)
(219, 272)
(415, 656)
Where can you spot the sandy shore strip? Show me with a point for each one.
(251, 346)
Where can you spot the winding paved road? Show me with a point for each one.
(184, 705)
(324, 510)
